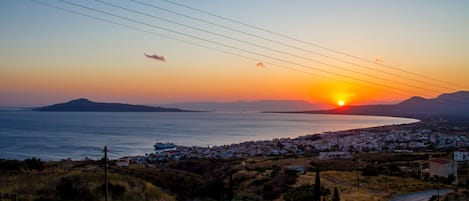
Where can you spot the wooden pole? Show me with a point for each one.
(105, 174)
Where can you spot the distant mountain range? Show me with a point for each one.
(453, 105)
(263, 105)
(85, 105)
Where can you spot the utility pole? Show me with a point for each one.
(105, 174)
(467, 180)
(358, 175)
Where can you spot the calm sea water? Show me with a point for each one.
(76, 135)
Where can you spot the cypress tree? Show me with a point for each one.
(317, 186)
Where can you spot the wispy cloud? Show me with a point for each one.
(154, 56)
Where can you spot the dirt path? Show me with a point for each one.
(421, 195)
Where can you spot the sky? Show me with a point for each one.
(411, 48)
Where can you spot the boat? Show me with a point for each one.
(159, 145)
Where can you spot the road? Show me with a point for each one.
(421, 195)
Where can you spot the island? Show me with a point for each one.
(85, 105)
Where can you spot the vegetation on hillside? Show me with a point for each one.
(255, 178)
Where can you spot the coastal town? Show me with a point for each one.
(421, 136)
(418, 156)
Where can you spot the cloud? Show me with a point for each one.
(154, 56)
(260, 65)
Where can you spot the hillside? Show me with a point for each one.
(85, 105)
(449, 106)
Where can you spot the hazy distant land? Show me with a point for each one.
(261, 105)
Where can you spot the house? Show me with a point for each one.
(443, 167)
(461, 156)
(296, 169)
(123, 162)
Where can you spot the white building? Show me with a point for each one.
(123, 162)
(294, 168)
(461, 156)
(443, 167)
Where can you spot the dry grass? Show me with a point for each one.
(29, 185)
(371, 188)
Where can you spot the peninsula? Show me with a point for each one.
(451, 106)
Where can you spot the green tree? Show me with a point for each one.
(34, 163)
(74, 188)
(300, 193)
(369, 171)
(304, 193)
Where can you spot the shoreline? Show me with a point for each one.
(289, 126)
(353, 140)
(387, 138)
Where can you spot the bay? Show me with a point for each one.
(76, 135)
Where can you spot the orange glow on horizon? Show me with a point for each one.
(341, 103)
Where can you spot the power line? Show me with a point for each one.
(264, 47)
(398, 90)
(285, 44)
(250, 43)
(196, 44)
(174, 38)
(312, 44)
(188, 42)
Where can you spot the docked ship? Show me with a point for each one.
(160, 146)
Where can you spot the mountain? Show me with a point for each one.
(449, 106)
(85, 105)
(263, 105)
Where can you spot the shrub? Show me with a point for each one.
(303, 193)
(74, 188)
(34, 163)
(247, 197)
(369, 171)
(115, 190)
(9, 165)
(336, 196)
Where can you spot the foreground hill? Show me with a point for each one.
(449, 106)
(85, 105)
(244, 179)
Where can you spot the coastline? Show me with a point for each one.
(255, 166)
(77, 134)
(418, 136)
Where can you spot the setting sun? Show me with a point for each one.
(341, 103)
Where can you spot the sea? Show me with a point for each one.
(79, 135)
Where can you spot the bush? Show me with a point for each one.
(9, 165)
(74, 188)
(34, 163)
(304, 192)
(301, 193)
(247, 197)
(336, 196)
(115, 190)
(369, 171)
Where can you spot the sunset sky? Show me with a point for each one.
(49, 55)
